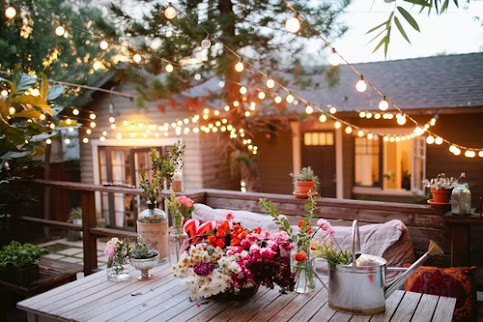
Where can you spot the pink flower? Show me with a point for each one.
(245, 244)
(185, 201)
(267, 253)
(330, 232)
(463, 175)
(229, 216)
(109, 250)
(272, 245)
(324, 224)
(232, 250)
(254, 249)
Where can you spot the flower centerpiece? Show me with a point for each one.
(441, 187)
(305, 181)
(117, 252)
(152, 223)
(233, 261)
(180, 209)
(143, 258)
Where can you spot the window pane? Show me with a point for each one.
(322, 138)
(308, 138)
(329, 138)
(315, 138)
(366, 162)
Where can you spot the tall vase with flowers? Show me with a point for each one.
(180, 209)
(117, 252)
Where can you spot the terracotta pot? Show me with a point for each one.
(441, 195)
(303, 187)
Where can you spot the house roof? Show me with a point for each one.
(432, 82)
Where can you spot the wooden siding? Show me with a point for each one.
(348, 165)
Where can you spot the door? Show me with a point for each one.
(318, 152)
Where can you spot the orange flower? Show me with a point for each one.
(309, 229)
(220, 233)
(235, 242)
(212, 240)
(257, 230)
(300, 256)
(301, 223)
(243, 234)
(220, 243)
(224, 226)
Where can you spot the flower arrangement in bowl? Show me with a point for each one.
(441, 187)
(143, 258)
(117, 252)
(232, 261)
(305, 181)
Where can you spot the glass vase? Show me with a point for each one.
(304, 277)
(117, 269)
(152, 227)
(178, 241)
(461, 200)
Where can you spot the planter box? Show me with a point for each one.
(21, 276)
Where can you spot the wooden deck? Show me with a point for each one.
(163, 298)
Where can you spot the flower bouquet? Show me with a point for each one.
(230, 260)
(117, 252)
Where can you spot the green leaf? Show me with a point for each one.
(22, 82)
(376, 27)
(401, 29)
(44, 86)
(456, 3)
(444, 6)
(3, 109)
(383, 40)
(408, 18)
(32, 100)
(55, 92)
(422, 3)
(30, 114)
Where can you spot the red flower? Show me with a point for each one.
(224, 226)
(221, 233)
(220, 243)
(300, 256)
(309, 229)
(257, 230)
(212, 240)
(301, 223)
(235, 242)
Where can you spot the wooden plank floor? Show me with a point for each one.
(164, 299)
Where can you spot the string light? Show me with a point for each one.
(113, 126)
(337, 125)
(432, 122)
(480, 154)
(42, 117)
(362, 114)
(170, 11)
(227, 108)
(368, 115)
(112, 119)
(270, 83)
(401, 120)
(169, 68)
(361, 85)
(370, 136)
(92, 124)
(67, 141)
(59, 31)
(48, 141)
(10, 12)
(68, 121)
(470, 154)
(430, 139)
(243, 90)
(322, 118)
(92, 116)
(12, 110)
(289, 98)
(137, 58)
(383, 104)
(75, 111)
(277, 99)
(253, 105)
(309, 109)
(348, 130)
(52, 126)
(239, 67)
(360, 133)
(4, 93)
(377, 116)
(418, 131)
(261, 95)
(206, 43)
(293, 24)
(334, 58)
(103, 45)
(438, 140)
(332, 110)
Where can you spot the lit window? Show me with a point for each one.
(319, 138)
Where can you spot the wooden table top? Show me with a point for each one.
(162, 298)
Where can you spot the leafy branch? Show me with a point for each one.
(269, 209)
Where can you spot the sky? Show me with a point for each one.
(456, 31)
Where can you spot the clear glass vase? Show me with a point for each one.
(304, 277)
(117, 269)
(177, 241)
(461, 200)
(152, 227)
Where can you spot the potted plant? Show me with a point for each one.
(441, 187)
(143, 258)
(305, 181)
(19, 263)
(75, 217)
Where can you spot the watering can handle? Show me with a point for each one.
(356, 241)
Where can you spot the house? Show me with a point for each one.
(446, 91)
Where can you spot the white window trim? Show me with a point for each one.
(95, 144)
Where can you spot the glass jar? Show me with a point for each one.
(178, 242)
(152, 227)
(461, 200)
(304, 274)
(117, 269)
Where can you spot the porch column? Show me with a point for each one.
(296, 147)
(338, 164)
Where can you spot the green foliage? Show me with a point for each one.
(142, 251)
(384, 29)
(306, 174)
(21, 126)
(163, 169)
(333, 254)
(29, 40)
(20, 256)
(283, 224)
(174, 206)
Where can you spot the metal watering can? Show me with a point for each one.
(360, 287)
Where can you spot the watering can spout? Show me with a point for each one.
(433, 250)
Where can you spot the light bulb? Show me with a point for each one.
(102, 138)
(59, 31)
(206, 43)
(88, 131)
(438, 140)
(430, 139)
(362, 114)
(221, 84)
(332, 110)
(48, 141)
(104, 133)
(253, 105)
(322, 118)
(197, 76)
(292, 24)
(289, 98)
(67, 141)
(360, 133)
(42, 117)
(243, 90)
(470, 154)
(137, 58)
(368, 115)
(370, 136)
(10, 12)
(401, 120)
(119, 136)
(247, 114)
(480, 154)
(68, 121)
(75, 111)
(457, 151)
(12, 110)
(432, 122)
(92, 124)
(337, 125)
(277, 99)
(227, 108)
(348, 130)
(169, 68)
(113, 126)
(236, 103)
(103, 45)
(170, 11)
(386, 139)
(377, 116)
(4, 93)
(383, 104)
(92, 116)
(361, 85)
(52, 126)
(334, 59)
(270, 83)
(309, 109)
(418, 131)
(239, 67)
(112, 119)
(261, 95)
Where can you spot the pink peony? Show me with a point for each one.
(254, 249)
(324, 224)
(245, 244)
(330, 232)
(185, 201)
(229, 216)
(272, 245)
(109, 250)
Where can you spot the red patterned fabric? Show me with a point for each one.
(457, 282)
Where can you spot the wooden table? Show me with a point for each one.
(163, 298)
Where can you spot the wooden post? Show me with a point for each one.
(460, 244)
(89, 222)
